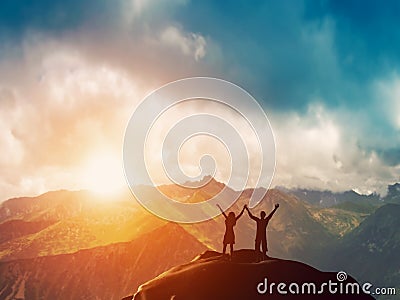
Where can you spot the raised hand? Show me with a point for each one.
(223, 213)
(277, 205)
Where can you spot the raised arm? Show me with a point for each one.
(272, 212)
(222, 211)
(241, 213)
(250, 214)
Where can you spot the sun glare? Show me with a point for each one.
(103, 174)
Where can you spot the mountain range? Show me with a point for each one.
(371, 251)
(76, 245)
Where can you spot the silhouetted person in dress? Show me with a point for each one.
(261, 235)
(229, 236)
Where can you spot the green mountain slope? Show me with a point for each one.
(371, 251)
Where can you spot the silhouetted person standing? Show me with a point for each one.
(261, 235)
(229, 236)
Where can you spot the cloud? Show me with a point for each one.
(271, 49)
(67, 93)
(191, 44)
(297, 58)
(387, 93)
(321, 149)
(71, 74)
(56, 109)
(234, 130)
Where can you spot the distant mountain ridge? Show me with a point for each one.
(329, 198)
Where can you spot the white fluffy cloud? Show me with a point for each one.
(321, 149)
(65, 98)
(56, 109)
(191, 44)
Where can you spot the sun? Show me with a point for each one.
(103, 174)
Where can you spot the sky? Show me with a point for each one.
(326, 73)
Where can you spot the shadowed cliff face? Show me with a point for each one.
(212, 276)
(371, 251)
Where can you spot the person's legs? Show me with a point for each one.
(264, 248)
(224, 249)
(257, 248)
(257, 245)
(231, 248)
